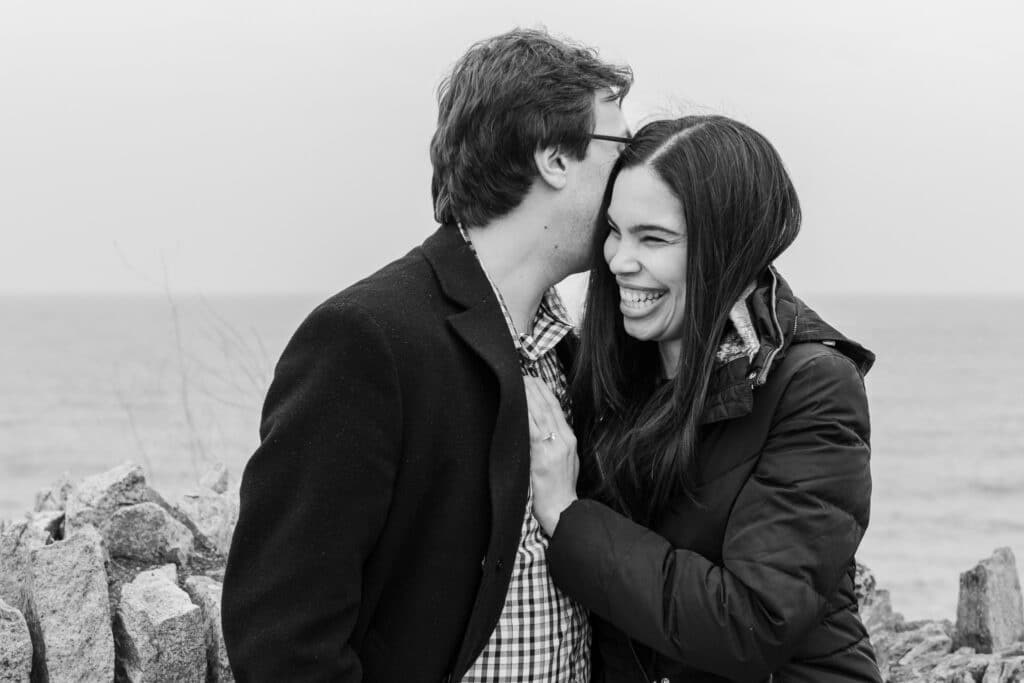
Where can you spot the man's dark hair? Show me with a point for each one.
(507, 97)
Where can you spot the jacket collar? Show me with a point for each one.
(457, 269)
(780, 320)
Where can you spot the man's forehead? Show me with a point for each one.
(608, 117)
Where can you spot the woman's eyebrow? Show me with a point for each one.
(643, 227)
(647, 227)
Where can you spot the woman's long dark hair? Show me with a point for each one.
(637, 434)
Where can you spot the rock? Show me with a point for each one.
(47, 524)
(16, 545)
(15, 645)
(146, 532)
(215, 479)
(55, 497)
(931, 648)
(161, 635)
(206, 593)
(1006, 671)
(96, 498)
(863, 581)
(213, 514)
(990, 615)
(1015, 650)
(907, 654)
(169, 571)
(69, 611)
(876, 612)
(217, 574)
(875, 608)
(963, 666)
(93, 535)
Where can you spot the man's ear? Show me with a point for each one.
(552, 166)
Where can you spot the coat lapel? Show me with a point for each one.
(482, 326)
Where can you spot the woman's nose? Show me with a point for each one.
(621, 259)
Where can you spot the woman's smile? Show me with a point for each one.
(635, 301)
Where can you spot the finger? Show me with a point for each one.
(531, 418)
(555, 410)
(539, 409)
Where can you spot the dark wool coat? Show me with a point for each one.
(381, 514)
(755, 578)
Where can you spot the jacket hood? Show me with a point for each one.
(779, 320)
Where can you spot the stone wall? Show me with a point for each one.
(106, 580)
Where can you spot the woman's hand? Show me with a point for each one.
(554, 465)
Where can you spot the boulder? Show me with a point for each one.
(15, 645)
(1005, 671)
(206, 593)
(169, 571)
(990, 614)
(94, 499)
(161, 635)
(215, 479)
(147, 533)
(963, 666)
(47, 524)
(56, 496)
(214, 516)
(16, 545)
(69, 611)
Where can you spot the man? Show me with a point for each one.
(384, 532)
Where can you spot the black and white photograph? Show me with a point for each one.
(534, 342)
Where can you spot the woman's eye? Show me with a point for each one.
(653, 240)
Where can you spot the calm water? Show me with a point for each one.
(87, 383)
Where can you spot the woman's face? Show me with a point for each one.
(646, 251)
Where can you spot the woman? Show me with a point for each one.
(723, 431)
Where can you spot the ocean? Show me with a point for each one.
(176, 383)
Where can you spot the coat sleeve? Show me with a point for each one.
(792, 533)
(314, 498)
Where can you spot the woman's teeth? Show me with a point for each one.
(639, 298)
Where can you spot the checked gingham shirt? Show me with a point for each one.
(543, 635)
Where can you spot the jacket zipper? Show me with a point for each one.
(762, 376)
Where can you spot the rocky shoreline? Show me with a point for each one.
(984, 645)
(107, 580)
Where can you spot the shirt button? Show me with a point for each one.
(499, 565)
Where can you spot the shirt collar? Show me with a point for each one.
(550, 324)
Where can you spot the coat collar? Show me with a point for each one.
(457, 269)
(780, 320)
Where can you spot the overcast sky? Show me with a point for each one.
(264, 147)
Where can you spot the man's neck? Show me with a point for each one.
(519, 259)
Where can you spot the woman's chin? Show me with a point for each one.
(637, 330)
